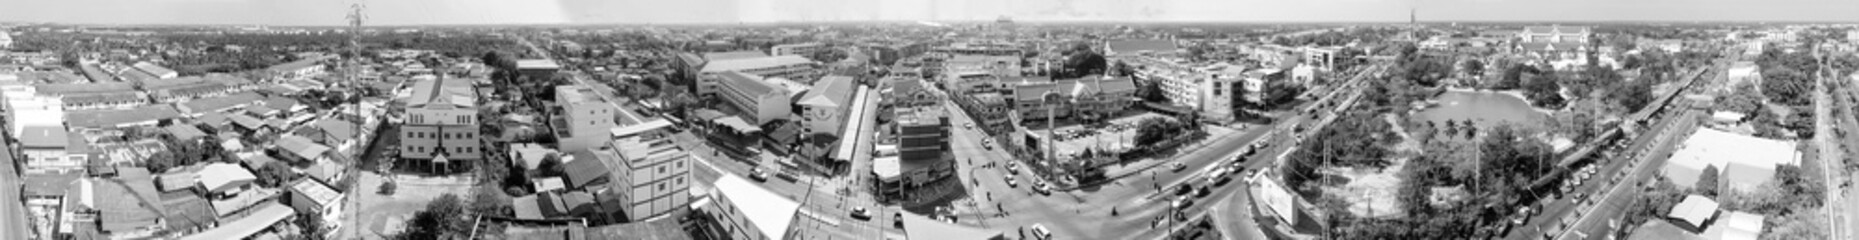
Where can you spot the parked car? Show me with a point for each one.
(1184, 189)
(1039, 231)
(1011, 182)
(860, 213)
(1177, 166)
(970, 126)
(758, 175)
(1013, 168)
(987, 144)
(1042, 188)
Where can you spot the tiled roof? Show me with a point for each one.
(128, 201)
(754, 63)
(1142, 45)
(721, 56)
(77, 88)
(153, 69)
(220, 103)
(584, 169)
(301, 147)
(111, 118)
(830, 91)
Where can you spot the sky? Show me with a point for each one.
(454, 12)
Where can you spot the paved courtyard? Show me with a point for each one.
(375, 216)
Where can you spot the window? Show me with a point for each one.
(661, 186)
(661, 169)
(680, 181)
(680, 165)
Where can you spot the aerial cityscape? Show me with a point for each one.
(929, 119)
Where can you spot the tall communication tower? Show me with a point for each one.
(352, 66)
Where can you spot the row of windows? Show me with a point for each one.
(454, 150)
(440, 135)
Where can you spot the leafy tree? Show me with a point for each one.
(387, 188)
(1707, 182)
(1150, 131)
(1742, 98)
(275, 174)
(1475, 67)
(1786, 85)
(551, 166)
(1152, 92)
(443, 218)
(1277, 93)
(1544, 91)
(1632, 95)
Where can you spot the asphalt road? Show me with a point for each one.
(13, 222)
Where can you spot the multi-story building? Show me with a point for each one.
(800, 49)
(441, 123)
(1554, 41)
(824, 107)
(1323, 58)
(1255, 82)
(758, 100)
(537, 69)
(581, 119)
(923, 152)
(789, 67)
(747, 211)
(651, 173)
(1221, 96)
(302, 68)
(990, 110)
(1178, 82)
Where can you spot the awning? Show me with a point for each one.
(738, 124)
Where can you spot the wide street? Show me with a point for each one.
(13, 215)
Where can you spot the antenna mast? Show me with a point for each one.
(352, 65)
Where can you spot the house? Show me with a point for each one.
(1087, 98)
(317, 199)
(300, 149)
(140, 116)
(121, 203)
(301, 68)
(582, 169)
(225, 179)
(46, 149)
(1132, 47)
(747, 211)
(156, 70)
(527, 156)
(221, 104)
(1693, 213)
(345, 137)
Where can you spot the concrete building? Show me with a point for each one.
(789, 67)
(923, 152)
(441, 122)
(1323, 58)
(1088, 99)
(318, 200)
(1744, 71)
(799, 49)
(302, 68)
(581, 118)
(537, 69)
(1255, 82)
(651, 174)
(1554, 41)
(747, 211)
(1221, 86)
(824, 107)
(1181, 84)
(758, 100)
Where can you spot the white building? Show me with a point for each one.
(655, 172)
(801, 49)
(1323, 58)
(1220, 95)
(1179, 83)
(442, 122)
(824, 107)
(1744, 71)
(749, 212)
(790, 67)
(317, 199)
(758, 100)
(581, 118)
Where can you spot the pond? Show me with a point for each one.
(1484, 107)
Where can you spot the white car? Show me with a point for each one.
(1011, 182)
(1039, 231)
(969, 125)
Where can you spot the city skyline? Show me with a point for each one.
(470, 12)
